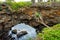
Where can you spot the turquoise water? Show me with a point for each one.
(30, 30)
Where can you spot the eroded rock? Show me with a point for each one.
(27, 15)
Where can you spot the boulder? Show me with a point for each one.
(22, 33)
(14, 31)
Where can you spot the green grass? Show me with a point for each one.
(52, 33)
(17, 5)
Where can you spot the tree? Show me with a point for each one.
(33, 1)
(9, 0)
(39, 0)
(52, 0)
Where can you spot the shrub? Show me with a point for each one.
(52, 33)
(17, 5)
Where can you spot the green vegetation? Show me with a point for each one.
(52, 33)
(17, 5)
(37, 14)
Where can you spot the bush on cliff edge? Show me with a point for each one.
(52, 33)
